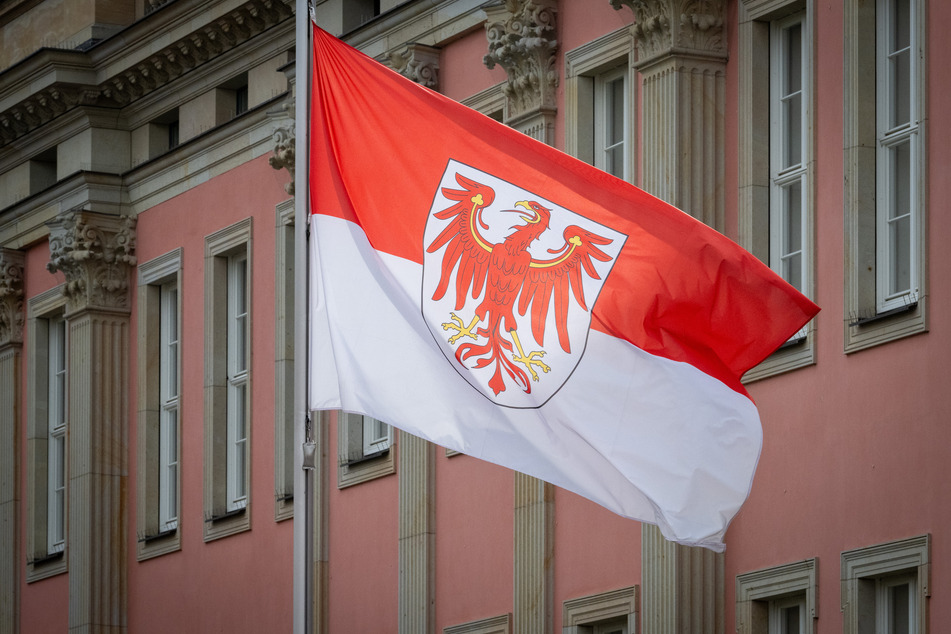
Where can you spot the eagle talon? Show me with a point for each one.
(529, 360)
(459, 325)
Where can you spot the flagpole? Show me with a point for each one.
(303, 564)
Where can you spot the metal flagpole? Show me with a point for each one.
(303, 473)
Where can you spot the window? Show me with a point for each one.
(56, 424)
(778, 600)
(228, 390)
(598, 96)
(611, 118)
(237, 381)
(365, 449)
(158, 449)
(168, 400)
(885, 587)
(787, 106)
(897, 133)
(776, 158)
(284, 374)
(613, 612)
(885, 171)
(47, 436)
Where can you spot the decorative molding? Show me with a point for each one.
(96, 253)
(152, 73)
(522, 41)
(11, 297)
(419, 63)
(663, 27)
(284, 138)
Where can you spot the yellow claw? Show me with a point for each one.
(459, 325)
(529, 360)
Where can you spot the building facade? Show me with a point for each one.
(148, 356)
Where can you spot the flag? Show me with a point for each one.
(495, 296)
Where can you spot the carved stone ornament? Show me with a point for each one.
(11, 296)
(522, 40)
(419, 63)
(677, 26)
(96, 253)
(284, 138)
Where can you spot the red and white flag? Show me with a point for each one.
(491, 294)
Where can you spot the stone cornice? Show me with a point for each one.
(142, 77)
(522, 41)
(96, 253)
(11, 297)
(688, 27)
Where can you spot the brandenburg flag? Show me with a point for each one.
(495, 296)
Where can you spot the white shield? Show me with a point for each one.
(550, 366)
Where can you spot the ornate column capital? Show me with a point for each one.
(419, 63)
(664, 27)
(96, 253)
(284, 138)
(11, 297)
(522, 40)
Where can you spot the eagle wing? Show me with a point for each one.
(466, 247)
(561, 277)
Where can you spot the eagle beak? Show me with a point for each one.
(531, 219)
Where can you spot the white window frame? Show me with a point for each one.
(228, 436)
(238, 371)
(605, 114)
(884, 604)
(871, 316)
(169, 394)
(56, 424)
(890, 136)
(784, 173)
(762, 594)
(159, 387)
(763, 171)
(777, 613)
(866, 574)
(284, 360)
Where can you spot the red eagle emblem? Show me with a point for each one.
(515, 289)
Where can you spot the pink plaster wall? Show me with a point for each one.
(363, 529)
(461, 71)
(856, 447)
(474, 538)
(241, 582)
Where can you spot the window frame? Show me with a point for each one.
(757, 156)
(284, 361)
(868, 323)
(863, 568)
(155, 533)
(585, 69)
(355, 464)
(226, 513)
(237, 381)
(758, 593)
(604, 113)
(581, 614)
(40, 562)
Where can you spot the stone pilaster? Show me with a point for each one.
(11, 341)
(522, 41)
(96, 255)
(419, 63)
(417, 549)
(682, 54)
(533, 585)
